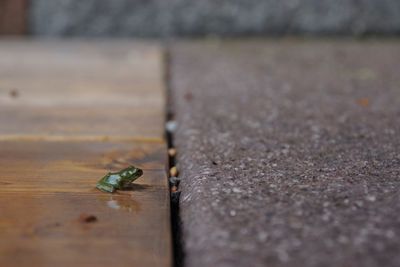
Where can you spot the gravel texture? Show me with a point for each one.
(224, 17)
(289, 152)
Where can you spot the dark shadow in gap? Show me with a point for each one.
(176, 224)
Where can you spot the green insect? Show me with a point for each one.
(118, 180)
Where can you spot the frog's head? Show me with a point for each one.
(131, 172)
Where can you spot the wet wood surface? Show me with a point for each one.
(52, 154)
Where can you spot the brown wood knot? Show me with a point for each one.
(87, 218)
(14, 93)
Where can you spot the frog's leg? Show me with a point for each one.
(123, 185)
(105, 187)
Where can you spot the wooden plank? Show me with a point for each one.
(13, 17)
(81, 88)
(45, 187)
(84, 122)
(69, 113)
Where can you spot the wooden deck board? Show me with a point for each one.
(46, 230)
(46, 186)
(81, 121)
(81, 88)
(81, 110)
(13, 17)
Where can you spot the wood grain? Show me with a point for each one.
(69, 113)
(45, 186)
(81, 88)
(13, 17)
(69, 166)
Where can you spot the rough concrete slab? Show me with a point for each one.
(289, 152)
(226, 17)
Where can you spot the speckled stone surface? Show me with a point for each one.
(289, 152)
(201, 17)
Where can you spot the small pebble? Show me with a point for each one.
(173, 172)
(172, 152)
(171, 126)
(174, 180)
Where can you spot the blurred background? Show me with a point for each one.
(176, 18)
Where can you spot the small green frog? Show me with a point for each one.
(118, 180)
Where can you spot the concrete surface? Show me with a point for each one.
(289, 152)
(225, 17)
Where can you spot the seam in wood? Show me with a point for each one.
(81, 138)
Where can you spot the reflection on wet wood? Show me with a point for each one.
(46, 186)
(46, 230)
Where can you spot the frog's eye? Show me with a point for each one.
(134, 170)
